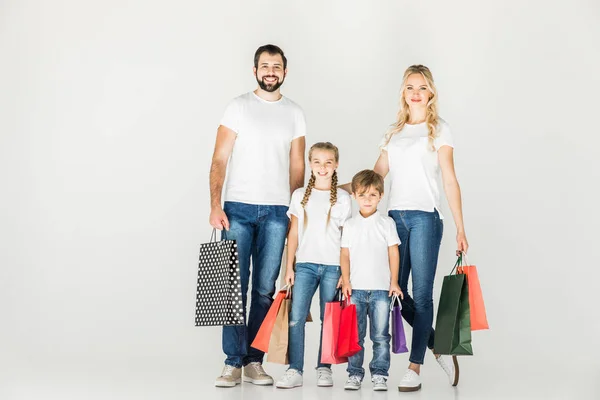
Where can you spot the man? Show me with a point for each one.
(262, 136)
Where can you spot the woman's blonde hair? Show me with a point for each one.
(403, 115)
(311, 182)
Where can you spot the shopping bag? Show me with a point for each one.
(263, 336)
(219, 289)
(453, 323)
(278, 345)
(348, 332)
(398, 336)
(476, 305)
(331, 328)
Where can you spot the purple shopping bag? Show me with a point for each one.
(398, 337)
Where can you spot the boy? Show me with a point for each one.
(370, 263)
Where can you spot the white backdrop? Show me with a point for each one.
(108, 114)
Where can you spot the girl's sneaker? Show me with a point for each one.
(324, 377)
(291, 379)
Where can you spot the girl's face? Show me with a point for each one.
(323, 164)
(416, 92)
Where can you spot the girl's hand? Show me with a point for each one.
(461, 243)
(339, 284)
(347, 289)
(395, 289)
(289, 276)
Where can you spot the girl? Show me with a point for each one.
(317, 214)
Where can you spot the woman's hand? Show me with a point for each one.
(289, 276)
(461, 243)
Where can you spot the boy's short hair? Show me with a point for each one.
(362, 181)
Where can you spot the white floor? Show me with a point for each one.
(136, 379)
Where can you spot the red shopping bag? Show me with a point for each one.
(478, 315)
(348, 334)
(263, 336)
(331, 328)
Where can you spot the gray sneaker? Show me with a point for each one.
(353, 383)
(230, 377)
(254, 373)
(379, 383)
(324, 377)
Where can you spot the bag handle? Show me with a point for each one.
(457, 264)
(213, 236)
(395, 299)
(288, 290)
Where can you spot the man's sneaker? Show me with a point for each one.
(411, 382)
(254, 373)
(379, 383)
(230, 376)
(291, 379)
(353, 383)
(324, 377)
(451, 369)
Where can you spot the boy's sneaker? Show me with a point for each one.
(379, 383)
(324, 377)
(451, 369)
(353, 383)
(230, 377)
(254, 373)
(291, 379)
(411, 382)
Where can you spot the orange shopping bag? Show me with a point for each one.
(263, 336)
(478, 316)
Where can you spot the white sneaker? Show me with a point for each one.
(353, 383)
(411, 382)
(379, 383)
(254, 373)
(451, 369)
(291, 379)
(324, 377)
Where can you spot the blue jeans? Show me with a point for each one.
(421, 235)
(260, 234)
(306, 279)
(375, 304)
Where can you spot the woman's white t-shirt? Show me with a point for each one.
(414, 167)
(320, 243)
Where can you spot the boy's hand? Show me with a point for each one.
(395, 289)
(347, 289)
(289, 276)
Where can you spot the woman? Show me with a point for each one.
(413, 152)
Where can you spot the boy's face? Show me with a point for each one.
(367, 199)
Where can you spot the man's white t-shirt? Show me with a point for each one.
(367, 240)
(414, 167)
(259, 167)
(320, 242)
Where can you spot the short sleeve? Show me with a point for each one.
(444, 137)
(300, 126)
(383, 143)
(346, 236)
(295, 207)
(347, 210)
(231, 117)
(392, 237)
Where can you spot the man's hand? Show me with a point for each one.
(218, 219)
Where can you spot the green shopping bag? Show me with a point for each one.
(453, 323)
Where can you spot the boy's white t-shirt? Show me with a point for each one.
(320, 242)
(414, 167)
(259, 167)
(367, 240)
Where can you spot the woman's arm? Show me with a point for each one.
(292, 246)
(452, 189)
(382, 167)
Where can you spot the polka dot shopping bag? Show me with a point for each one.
(219, 289)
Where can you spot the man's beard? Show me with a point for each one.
(269, 87)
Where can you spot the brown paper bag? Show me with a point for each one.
(278, 345)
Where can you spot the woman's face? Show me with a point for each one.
(416, 92)
(322, 164)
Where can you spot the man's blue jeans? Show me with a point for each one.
(308, 276)
(376, 305)
(260, 232)
(421, 235)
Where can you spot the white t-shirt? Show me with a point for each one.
(367, 240)
(320, 242)
(259, 167)
(414, 167)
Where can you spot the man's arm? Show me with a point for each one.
(297, 163)
(223, 148)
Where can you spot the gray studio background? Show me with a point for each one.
(108, 115)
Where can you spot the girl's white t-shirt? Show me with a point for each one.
(414, 167)
(320, 243)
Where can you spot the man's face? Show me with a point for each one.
(270, 73)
